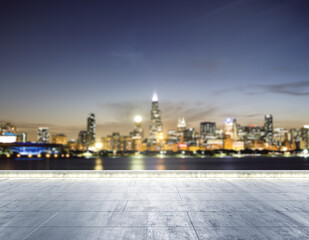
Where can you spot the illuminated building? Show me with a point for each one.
(82, 140)
(228, 142)
(242, 133)
(238, 145)
(181, 127)
(72, 144)
(268, 129)
(43, 135)
(230, 128)
(213, 144)
(8, 133)
(60, 139)
(128, 144)
(171, 136)
(304, 138)
(116, 141)
(207, 129)
(137, 145)
(138, 131)
(254, 133)
(189, 136)
(8, 138)
(295, 137)
(22, 137)
(171, 141)
(279, 136)
(33, 149)
(107, 143)
(91, 129)
(8, 128)
(155, 129)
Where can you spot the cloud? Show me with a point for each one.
(293, 89)
(298, 89)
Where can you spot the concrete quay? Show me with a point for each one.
(154, 208)
(7, 174)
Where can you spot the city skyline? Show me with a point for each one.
(145, 126)
(208, 60)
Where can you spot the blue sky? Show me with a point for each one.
(61, 60)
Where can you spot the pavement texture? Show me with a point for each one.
(154, 209)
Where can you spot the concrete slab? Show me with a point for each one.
(151, 208)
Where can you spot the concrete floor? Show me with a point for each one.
(154, 209)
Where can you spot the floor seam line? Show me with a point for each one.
(125, 205)
(192, 225)
(40, 226)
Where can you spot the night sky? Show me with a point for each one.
(208, 60)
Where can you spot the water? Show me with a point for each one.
(157, 163)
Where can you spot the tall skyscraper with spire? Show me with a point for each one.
(91, 129)
(156, 123)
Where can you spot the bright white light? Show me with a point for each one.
(138, 119)
(306, 151)
(98, 145)
(154, 97)
(7, 139)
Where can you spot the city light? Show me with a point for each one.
(138, 119)
(98, 145)
(232, 137)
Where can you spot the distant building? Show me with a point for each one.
(116, 143)
(22, 137)
(304, 138)
(254, 133)
(8, 138)
(8, 128)
(155, 128)
(181, 127)
(171, 137)
(91, 129)
(138, 130)
(268, 129)
(189, 136)
(207, 129)
(82, 140)
(230, 128)
(60, 139)
(43, 135)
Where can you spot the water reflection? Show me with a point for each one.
(182, 164)
(155, 163)
(161, 164)
(137, 164)
(98, 164)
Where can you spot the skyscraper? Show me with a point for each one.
(268, 129)
(230, 128)
(207, 129)
(43, 134)
(156, 123)
(181, 127)
(91, 129)
(138, 130)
